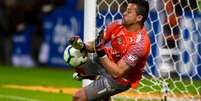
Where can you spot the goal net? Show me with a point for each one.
(173, 69)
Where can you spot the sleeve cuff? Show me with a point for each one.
(101, 53)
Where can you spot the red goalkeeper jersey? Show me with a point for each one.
(133, 47)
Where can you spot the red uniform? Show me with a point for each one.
(133, 47)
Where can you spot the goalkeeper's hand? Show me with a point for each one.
(99, 44)
(82, 59)
(77, 43)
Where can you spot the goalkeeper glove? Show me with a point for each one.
(77, 43)
(99, 44)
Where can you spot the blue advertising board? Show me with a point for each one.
(21, 41)
(22, 47)
(58, 27)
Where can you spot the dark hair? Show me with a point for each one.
(142, 8)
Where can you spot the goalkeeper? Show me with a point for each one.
(120, 66)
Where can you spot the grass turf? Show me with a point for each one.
(38, 77)
(63, 78)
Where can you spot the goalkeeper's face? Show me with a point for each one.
(130, 16)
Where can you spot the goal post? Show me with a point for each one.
(89, 26)
(89, 20)
(173, 69)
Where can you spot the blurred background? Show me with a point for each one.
(29, 27)
(34, 33)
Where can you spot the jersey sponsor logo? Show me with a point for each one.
(115, 53)
(132, 58)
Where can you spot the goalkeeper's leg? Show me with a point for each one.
(79, 76)
(100, 90)
(106, 99)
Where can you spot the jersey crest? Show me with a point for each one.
(119, 41)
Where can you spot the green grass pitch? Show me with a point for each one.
(61, 78)
(35, 77)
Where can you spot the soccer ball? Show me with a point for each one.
(73, 57)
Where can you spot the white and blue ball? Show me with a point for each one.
(73, 57)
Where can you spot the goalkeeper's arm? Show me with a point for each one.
(90, 46)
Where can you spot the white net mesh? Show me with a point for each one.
(173, 70)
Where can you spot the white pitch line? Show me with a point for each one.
(18, 98)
